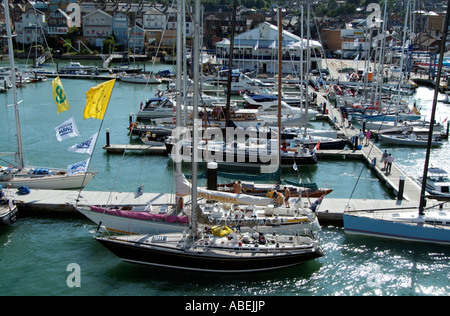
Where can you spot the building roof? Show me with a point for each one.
(264, 35)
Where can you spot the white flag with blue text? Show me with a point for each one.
(78, 167)
(86, 147)
(67, 129)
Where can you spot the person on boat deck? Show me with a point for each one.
(389, 160)
(287, 195)
(278, 198)
(384, 158)
(270, 194)
(237, 187)
(283, 145)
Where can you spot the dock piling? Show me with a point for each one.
(107, 138)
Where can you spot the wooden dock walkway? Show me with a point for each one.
(371, 153)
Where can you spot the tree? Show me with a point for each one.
(109, 44)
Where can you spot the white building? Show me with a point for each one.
(154, 19)
(31, 28)
(97, 25)
(257, 50)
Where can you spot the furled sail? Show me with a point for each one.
(183, 187)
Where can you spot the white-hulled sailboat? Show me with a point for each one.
(34, 177)
(208, 250)
(421, 224)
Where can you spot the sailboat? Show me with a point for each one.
(431, 224)
(213, 249)
(34, 177)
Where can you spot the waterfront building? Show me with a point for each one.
(97, 25)
(120, 27)
(31, 27)
(137, 40)
(257, 50)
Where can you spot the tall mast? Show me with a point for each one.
(195, 111)
(280, 70)
(179, 71)
(433, 111)
(230, 64)
(13, 81)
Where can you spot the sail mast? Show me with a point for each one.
(13, 81)
(230, 65)
(195, 112)
(280, 70)
(178, 73)
(433, 111)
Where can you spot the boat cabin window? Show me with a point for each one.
(438, 179)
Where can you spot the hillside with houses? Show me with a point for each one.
(149, 28)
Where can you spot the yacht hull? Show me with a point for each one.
(200, 260)
(362, 225)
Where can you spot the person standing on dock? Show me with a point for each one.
(389, 160)
(367, 137)
(361, 136)
(384, 158)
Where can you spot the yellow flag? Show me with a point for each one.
(59, 96)
(97, 99)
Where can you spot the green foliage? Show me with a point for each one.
(109, 44)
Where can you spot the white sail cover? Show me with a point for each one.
(183, 187)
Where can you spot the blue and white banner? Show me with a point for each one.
(67, 129)
(78, 167)
(86, 147)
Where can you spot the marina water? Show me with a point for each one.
(38, 253)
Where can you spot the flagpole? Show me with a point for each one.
(95, 143)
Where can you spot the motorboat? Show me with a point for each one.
(437, 182)
(158, 107)
(411, 139)
(325, 143)
(156, 136)
(8, 209)
(244, 118)
(244, 82)
(76, 67)
(255, 101)
(138, 78)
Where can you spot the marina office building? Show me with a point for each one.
(257, 50)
